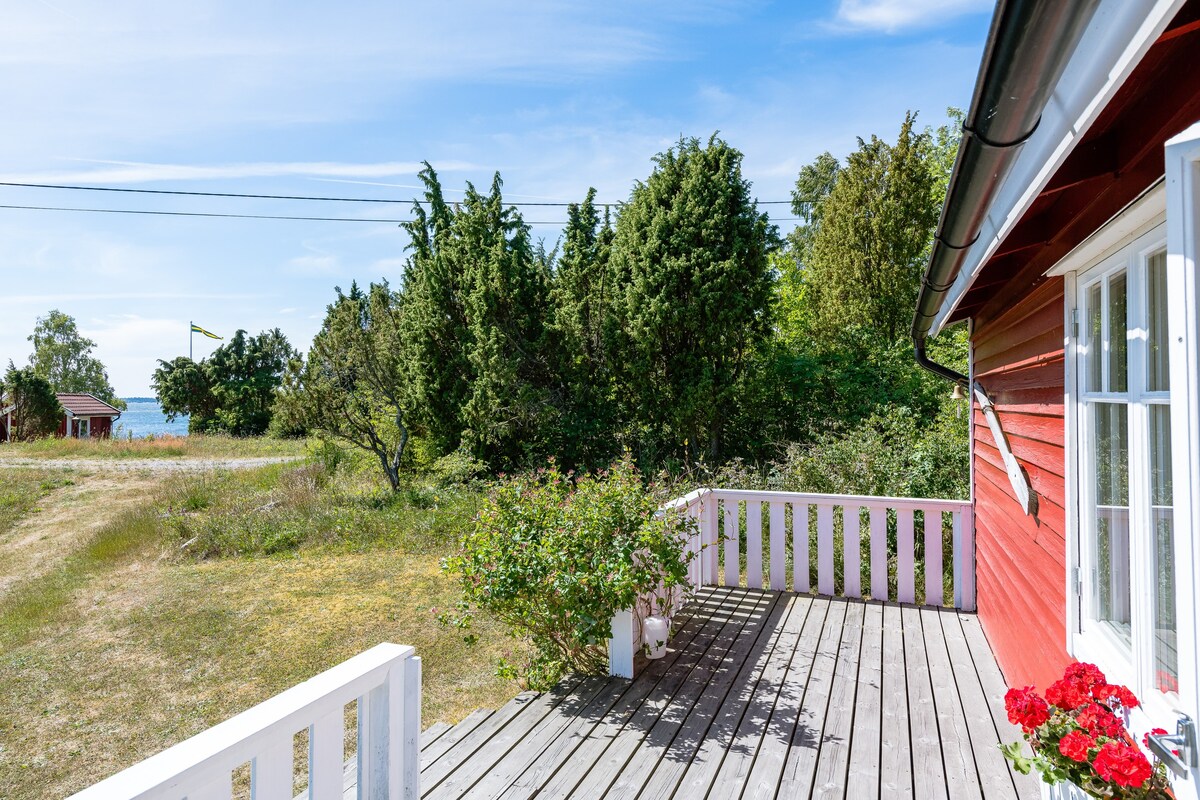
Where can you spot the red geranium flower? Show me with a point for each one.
(1122, 764)
(1119, 693)
(1075, 745)
(1068, 693)
(1087, 674)
(1025, 708)
(1099, 721)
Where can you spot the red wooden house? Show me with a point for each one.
(1068, 244)
(86, 416)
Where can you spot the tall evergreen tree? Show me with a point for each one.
(477, 300)
(581, 297)
(436, 336)
(866, 261)
(690, 251)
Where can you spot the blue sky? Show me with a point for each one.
(346, 99)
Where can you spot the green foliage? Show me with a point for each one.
(63, 357)
(866, 257)
(689, 260)
(476, 297)
(36, 411)
(582, 295)
(352, 387)
(232, 391)
(555, 558)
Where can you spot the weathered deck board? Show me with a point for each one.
(771, 695)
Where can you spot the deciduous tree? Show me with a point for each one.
(63, 357)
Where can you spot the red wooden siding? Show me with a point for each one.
(100, 427)
(1021, 560)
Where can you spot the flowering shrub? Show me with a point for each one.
(1076, 735)
(555, 557)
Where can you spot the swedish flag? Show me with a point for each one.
(197, 329)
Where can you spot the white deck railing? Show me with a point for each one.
(885, 548)
(386, 683)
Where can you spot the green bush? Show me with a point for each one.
(555, 557)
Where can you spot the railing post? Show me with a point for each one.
(964, 559)
(410, 715)
(708, 539)
(389, 722)
(621, 646)
(325, 745)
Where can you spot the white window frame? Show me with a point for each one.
(1173, 204)
(1183, 242)
(1130, 665)
(85, 427)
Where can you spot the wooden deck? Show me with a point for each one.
(762, 695)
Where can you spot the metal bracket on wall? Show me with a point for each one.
(1016, 475)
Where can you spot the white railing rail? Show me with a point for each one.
(386, 683)
(830, 531)
(854, 546)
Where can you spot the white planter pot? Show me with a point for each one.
(655, 632)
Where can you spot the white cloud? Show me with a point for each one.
(891, 16)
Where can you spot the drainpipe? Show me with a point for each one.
(1027, 49)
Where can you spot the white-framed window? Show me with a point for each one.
(1125, 555)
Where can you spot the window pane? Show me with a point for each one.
(1158, 376)
(1110, 539)
(1095, 343)
(1166, 662)
(1118, 343)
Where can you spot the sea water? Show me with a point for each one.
(144, 417)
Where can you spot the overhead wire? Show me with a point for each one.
(220, 215)
(245, 195)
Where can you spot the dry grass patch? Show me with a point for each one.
(198, 446)
(130, 646)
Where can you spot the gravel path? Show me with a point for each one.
(144, 464)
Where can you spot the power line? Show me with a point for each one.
(217, 215)
(180, 192)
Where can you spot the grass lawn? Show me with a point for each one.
(131, 641)
(209, 446)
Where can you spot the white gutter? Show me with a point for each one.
(1117, 37)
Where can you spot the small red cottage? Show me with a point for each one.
(1069, 244)
(86, 416)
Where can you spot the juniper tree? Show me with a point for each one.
(690, 253)
(581, 297)
(477, 301)
(866, 258)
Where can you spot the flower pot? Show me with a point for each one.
(655, 632)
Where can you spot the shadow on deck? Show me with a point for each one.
(761, 695)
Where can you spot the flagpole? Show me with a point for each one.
(190, 324)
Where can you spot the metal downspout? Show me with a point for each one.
(1028, 47)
